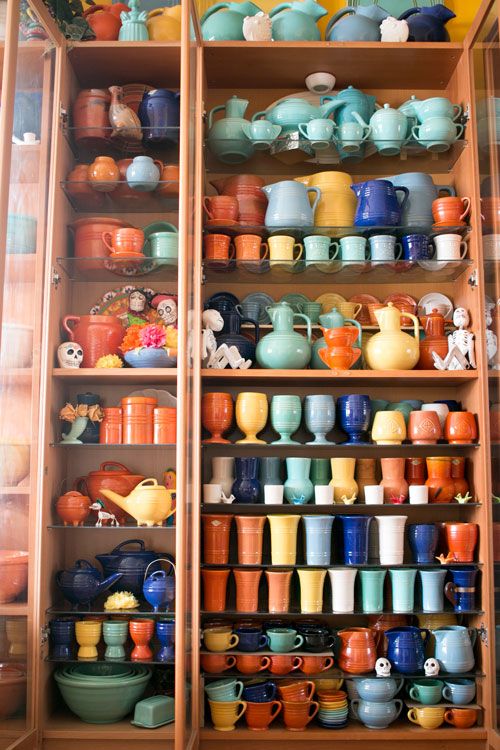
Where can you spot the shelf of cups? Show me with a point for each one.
(340, 566)
(118, 270)
(356, 613)
(340, 272)
(87, 143)
(422, 378)
(354, 732)
(85, 199)
(389, 508)
(98, 609)
(294, 154)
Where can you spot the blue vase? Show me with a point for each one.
(406, 648)
(318, 539)
(159, 113)
(432, 583)
(91, 432)
(298, 488)
(423, 540)
(62, 635)
(165, 632)
(354, 412)
(355, 530)
(246, 487)
(320, 417)
(461, 590)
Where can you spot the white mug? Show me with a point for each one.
(419, 494)
(212, 493)
(491, 246)
(383, 248)
(440, 409)
(323, 494)
(450, 247)
(374, 494)
(273, 494)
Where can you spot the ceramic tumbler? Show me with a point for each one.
(311, 590)
(286, 413)
(283, 539)
(403, 588)
(416, 247)
(214, 589)
(342, 582)
(355, 531)
(217, 411)
(250, 530)
(319, 413)
(62, 635)
(372, 590)
(278, 586)
(423, 541)
(247, 589)
(251, 416)
(273, 494)
(225, 714)
(391, 531)
(432, 586)
(216, 530)
(345, 488)
(419, 494)
(374, 494)
(323, 495)
(298, 487)
(165, 634)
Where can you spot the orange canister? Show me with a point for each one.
(110, 429)
(137, 419)
(165, 424)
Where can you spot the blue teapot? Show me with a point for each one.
(428, 24)
(333, 319)
(289, 113)
(83, 583)
(378, 204)
(224, 21)
(159, 587)
(226, 137)
(130, 563)
(358, 24)
(296, 21)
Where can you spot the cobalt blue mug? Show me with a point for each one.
(259, 692)
(251, 639)
(416, 247)
(461, 590)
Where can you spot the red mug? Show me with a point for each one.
(218, 247)
(221, 207)
(124, 241)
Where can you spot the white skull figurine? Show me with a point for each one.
(431, 667)
(69, 355)
(383, 667)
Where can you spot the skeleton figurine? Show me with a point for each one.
(69, 355)
(166, 306)
(461, 354)
(431, 667)
(383, 667)
(214, 357)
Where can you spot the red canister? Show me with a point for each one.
(110, 429)
(91, 116)
(165, 425)
(137, 419)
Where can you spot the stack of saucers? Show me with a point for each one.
(333, 708)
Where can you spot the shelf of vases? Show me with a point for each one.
(84, 199)
(340, 448)
(110, 269)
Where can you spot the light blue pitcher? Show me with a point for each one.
(454, 644)
(224, 21)
(356, 24)
(289, 204)
(296, 21)
(318, 539)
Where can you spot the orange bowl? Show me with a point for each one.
(13, 574)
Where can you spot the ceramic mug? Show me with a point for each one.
(216, 663)
(318, 131)
(319, 249)
(354, 249)
(259, 716)
(219, 640)
(164, 245)
(249, 309)
(124, 241)
(428, 717)
(427, 692)
(262, 133)
(491, 246)
(436, 134)
(459, 690)
(450, 211)
(350, 135)
(250, 663)
(218, 247)
(416, 247)
(224, 690)
(284, 664)
(225, 714)
(449, 247)
(212, 493)
(311, 309)
(383, 248)
(282, 640)
(323, 494)
(260, 692)
(462, 718)
(249, 247)
(296, 690)
(281, 250)
(221, 207)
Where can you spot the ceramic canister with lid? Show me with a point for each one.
(138, 419)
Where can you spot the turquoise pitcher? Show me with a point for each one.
(284, 348)
(333, 319)
(226, 137)
(454, 645)
(298, 488)
(296, 21)
(224, 21)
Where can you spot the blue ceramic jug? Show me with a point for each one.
(143, 174)
(231, 334)
(454, 645)
(461, 590)
(298, 488)
(246, 487)
(224, 21)
(356, 24)
(406, 648)
(296, 21)
(159, 113)
(159, 588)
(289, 204)
(355, 530)
(428, 24)
(417, 209)
(378, 204)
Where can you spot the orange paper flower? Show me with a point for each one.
(131, 340)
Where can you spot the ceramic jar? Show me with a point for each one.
(143, 173)
(138, 420)
(440, 483)
(393, 480)
(103, 174)
(97, 335)
(73, 508)
(90, 116)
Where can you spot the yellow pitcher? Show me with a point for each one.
(312, 582)
(283, 539)
(337, 204)
(392, 349)
(164, 24)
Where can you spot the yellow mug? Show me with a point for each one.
(349, 309)
(225, 714)
(219, 640)
(428, 717)
(281, 249)
(88, 635)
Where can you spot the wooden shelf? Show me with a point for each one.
(341, 449)
(132, 375)
(19, 491)
(14, 609)
(308, 509)
(283, 65)
(424, 378)
(67, 727)
(400, 731)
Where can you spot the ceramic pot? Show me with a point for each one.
(424, 428)
(423, 540)
(73, 508)
(88, 242)
(343, 482)
(298, 488)
(462, 539)
(440, 483)
(454, 648)
(217, 415)
(132, 564)
(13, 574)
(97, 335)
(460, 427)
(246, 487)
(355, 530)
(250, 530)
(226, 137)
(214, 589)
(78, 187)
(251, 415)
(406, 648)
(247, 589)
(90, 114)
(358, 651)
(283, 539)
(216, 530)
(393, 480)
(278, 584)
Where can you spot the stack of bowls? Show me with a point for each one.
(333, 708)
(102, 693)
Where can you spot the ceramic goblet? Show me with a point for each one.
(88, 635)
(354, 412)
(141, 632)
(115, 633)
(251, 415)
(286, 412)
(62, 634)
(217, 415)
(320, 417)
(165, 632)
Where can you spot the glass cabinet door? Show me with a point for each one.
(26, 112)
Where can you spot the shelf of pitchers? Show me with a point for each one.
(114, 270)
(295, 155)
(87, 143)
(284, 65)
(84, 199)
(332, 510)
(117, 376)
(422, 378)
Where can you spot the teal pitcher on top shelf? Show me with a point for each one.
(226, 137)
(358, 24)
(284, 348)
(224, 21)
(296, 21)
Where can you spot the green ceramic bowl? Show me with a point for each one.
(75, 679)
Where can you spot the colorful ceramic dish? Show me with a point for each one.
(329, 301)
(436, 298)
(264, 300)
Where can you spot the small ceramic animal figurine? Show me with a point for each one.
(257, 28)
(462, 499)
(392, 30)
(461, 355)
(124, 120)
(445, 559)
(348, 500)
(69, 355)
(103, 515)
(383, 667)
(214, 357)
(431, 667)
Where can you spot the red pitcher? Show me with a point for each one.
(98, 335)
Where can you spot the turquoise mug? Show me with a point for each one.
(318, 131)
(437, 134)
(350, 135)
(354, 249)
(224, 690)
(163, 246)
(282, 640)
(320, 249)
(261, 132)
(311, 309)
(459, 691)
(427, 692)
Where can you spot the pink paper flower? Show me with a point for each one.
(152, 336)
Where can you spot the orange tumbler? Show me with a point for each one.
(137, 419)
(165, 425)
(110, 429)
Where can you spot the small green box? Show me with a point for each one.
(154, 712)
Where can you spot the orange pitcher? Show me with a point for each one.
(358, 651)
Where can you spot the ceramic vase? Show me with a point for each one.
(115, 636)
(141, 632)
(286, 413)
(432, 587)
(403, 588)
(283, 539)
(462, 539)
(247, 589)
(217, 415)
(251, 415)
(440, 483)
(424, 428)
(320, 471)
(278, 585)
(389, 428)
(216, 530)
(223, 473)
(165, 633)
(354, 413)
(460, 427)
(298, 487)
(365, 474)
(461, 485)
(355, 531)
(423, 540)
(250, 530)
(372, 590)
(393, 480)
(343, 482)
(88, 635)
(214, 589)
(311, 590)
(319, 417)
(391, 531)
(246, 487)
(76, 430)
(415, 471)
(342, 582)
(318, 539)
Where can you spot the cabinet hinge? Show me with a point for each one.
(202, 276)
(63, 116)
(44, 635)
(472, 281)
(55, 278)
(482, 632)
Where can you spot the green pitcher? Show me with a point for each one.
(284, 348)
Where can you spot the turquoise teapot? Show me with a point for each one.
(354, 101)
(356, 24)
(333, 319)
(284, 348)
(226, 137)
(289, 113)
(224, 21)
(296, 21)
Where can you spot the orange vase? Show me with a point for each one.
(278, 584)
(441, 485)
(141, 632)
(460, 427)
(424, 428)
(217, 410)
(358, 652)
(247, 589)
(458, 476)
(214, 589)
(462, 540)
(433, 341)
(393, 480)
(250, 530)
(216, 531)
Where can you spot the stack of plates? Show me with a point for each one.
(333, 708)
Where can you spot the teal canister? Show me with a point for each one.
(298, 487)
(163, 246)
(432, 588)
(320, 471)
(372, 590)
(403, 588)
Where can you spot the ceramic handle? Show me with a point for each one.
(336, 16)
(318, 196)
(278, 709)
(244, 708)
(299, 640)
(77, 483)
(458, 112)
(406, 192)
(233, 641)
(67, 319)
(360, 120)
(264, 641)
(448, 717)
(119, 547)
(93, 9)
(259, 115)
(354, 707)
(422, 630)
(467, 208)
(105, 464)
(460, 131)
(328, 664)
(416, 332)
(278, 8)
(303, 130)
(399, 684)
(368, 133)
(205, 206)
(472, 636)
(311, 688)
(450, 592)
(212, 10)
(447, 694)
(400, 702)
(446, 189)
(412, 715)
(297, 662)
(104, 237)
(315, 706)
(358, 310)
(218, 108)
(413, 693)
(308, 323)
(463, 249)
(239, 689)
(336, 249)
(301, 250)
(255, 325)
(265, 663)
(409, 12)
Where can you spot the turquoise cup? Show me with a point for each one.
(437, 134)
(164, 246)
(354, 249)
(427, 692)
(282, 640)
(115, 636)
(372, 590)
(319, 131)
(320, 249)
(403, 588)
(224, 690)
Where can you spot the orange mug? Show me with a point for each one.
(460, 427)
(258, 716)
(296, 690)
(284, 663)
(124, 241)
(316, 664)
(450, 211)
(218, 247)
(221, 207)
(249, 247)
(251, 663)
(216, 663)
(462, 718)
(297, 715)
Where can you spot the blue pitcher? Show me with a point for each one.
(428, 24)
(246, 487)
(356, 24)
(232, 336)
(454, 644)
(159, 113)
(378, 204)
(355, 530)
(406, 648)
(461, 590)
(318, 540)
